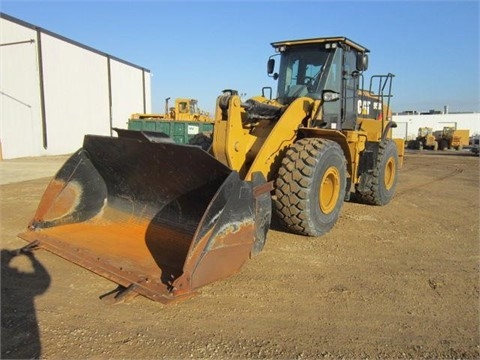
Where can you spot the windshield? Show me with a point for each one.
(193, 108)
(300, 73)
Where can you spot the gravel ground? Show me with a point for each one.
(399, 281)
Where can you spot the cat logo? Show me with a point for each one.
(368, 107)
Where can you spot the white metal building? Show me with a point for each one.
(54, 90)
(408, 125)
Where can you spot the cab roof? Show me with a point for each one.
(323, 40)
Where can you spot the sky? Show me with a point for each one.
(195, 49)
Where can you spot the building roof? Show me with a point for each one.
(73, 42)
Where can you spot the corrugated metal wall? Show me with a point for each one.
(76, 94)
(20, 124)
(127, 90)
(55, 90)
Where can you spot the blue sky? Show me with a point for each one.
(198, 48)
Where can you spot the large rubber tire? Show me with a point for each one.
(382, 182)
(443, 145)
(204, 140)
(310, 187)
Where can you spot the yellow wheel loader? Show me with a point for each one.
(185, 123)
(425, 140)
(452, 138)
(184, 110)
(163, 219)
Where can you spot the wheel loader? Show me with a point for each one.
(452, 138)
(184, 110)
(425, 140)
(162, 219)
(184, 123)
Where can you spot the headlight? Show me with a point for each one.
(329, 95)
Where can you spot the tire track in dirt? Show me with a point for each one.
(433, 181)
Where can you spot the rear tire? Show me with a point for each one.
(310, 187)
(382, 182)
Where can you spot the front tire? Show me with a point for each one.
(310, 187)
(443, 145)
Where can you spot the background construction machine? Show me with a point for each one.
(425, 140)
(185, 123)
(452, 138)
(163, 219)
(184, 110)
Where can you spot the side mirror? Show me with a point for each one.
(362, 62)
(270, 66)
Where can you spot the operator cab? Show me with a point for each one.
(327, 69)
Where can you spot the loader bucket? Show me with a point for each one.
(157, 218)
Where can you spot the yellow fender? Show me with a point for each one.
(283, 134)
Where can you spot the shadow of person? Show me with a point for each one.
(19, 333)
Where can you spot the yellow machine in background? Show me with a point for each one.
(425, 140)
(447, 138)
(163, 219)
(184, 123)
(184, 110)
(452, 138)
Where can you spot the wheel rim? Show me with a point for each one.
(389, 177)
(329, 190)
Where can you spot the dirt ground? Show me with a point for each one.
(400, 281)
